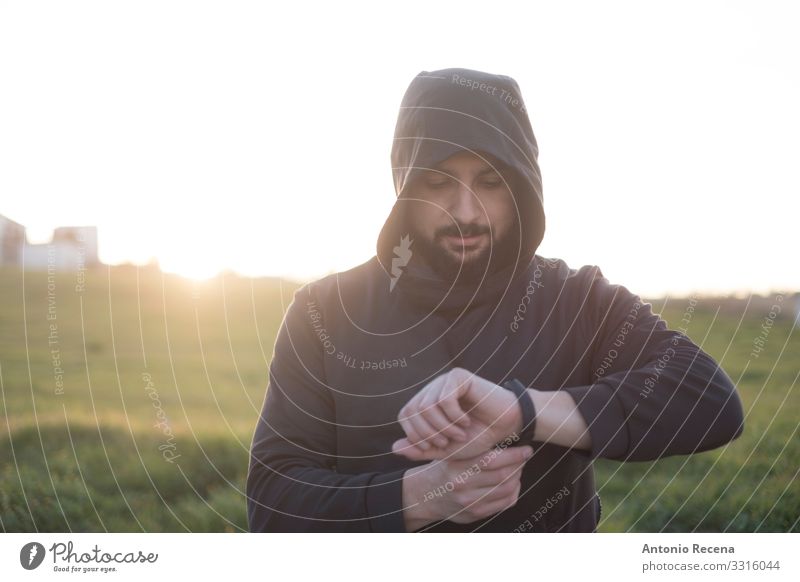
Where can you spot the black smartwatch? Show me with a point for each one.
(525, 436)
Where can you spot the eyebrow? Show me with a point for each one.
(488, 170)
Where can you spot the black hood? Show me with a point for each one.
(445, 112)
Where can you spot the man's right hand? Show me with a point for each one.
(463, 490)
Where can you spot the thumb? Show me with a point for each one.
(407, 449)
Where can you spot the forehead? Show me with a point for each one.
(468, 162)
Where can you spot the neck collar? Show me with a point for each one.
(424, 288)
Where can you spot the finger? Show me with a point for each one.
(456, 387)
(415, 404)
(515, 495)
(484, 508)
(416, 431)
(500, 491)
(414, 452)
(427, 432)
(449, 402)
(496, 458)
(407, 449)
(412, 435)
(491, 478)
(436, 417)
(429, 412)
(413, 429)
(498, 505)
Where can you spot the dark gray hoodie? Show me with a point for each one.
(355, 346)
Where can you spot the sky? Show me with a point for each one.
(255, 137)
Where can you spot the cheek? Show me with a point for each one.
(427, 218)
(501, 213)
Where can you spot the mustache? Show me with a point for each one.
(462, 230)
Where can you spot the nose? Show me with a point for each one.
(464, 207)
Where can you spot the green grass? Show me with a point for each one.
(87, 458)
(748, 485)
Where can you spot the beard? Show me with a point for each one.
(469, 268)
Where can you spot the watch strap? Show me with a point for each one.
(525, 435)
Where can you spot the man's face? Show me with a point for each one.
(462, 214)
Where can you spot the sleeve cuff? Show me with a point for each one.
(605, 417)
(384, 501)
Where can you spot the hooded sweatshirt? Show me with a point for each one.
(354, 347)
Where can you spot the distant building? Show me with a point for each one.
(796, 305)
(72, 248)
(12, 239)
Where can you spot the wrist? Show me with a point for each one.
(559, 421)
(417, 511)
(539, 399)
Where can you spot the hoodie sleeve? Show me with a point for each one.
(654, 393)
(292, 482)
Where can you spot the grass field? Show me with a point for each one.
(128, 404)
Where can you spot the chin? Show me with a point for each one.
(481, 253)
(471, 261)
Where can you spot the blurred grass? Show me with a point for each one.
(88, 459)
(748, 485)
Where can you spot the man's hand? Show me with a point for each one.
(458, 415)
(465, 490)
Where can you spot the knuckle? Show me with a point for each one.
(486, 511)
(506, 489)
(472, 515)
(458, 374)
(475, 515)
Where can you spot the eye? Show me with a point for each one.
(492, 183)
(438, 184)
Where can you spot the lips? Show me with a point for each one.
(466, 241)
